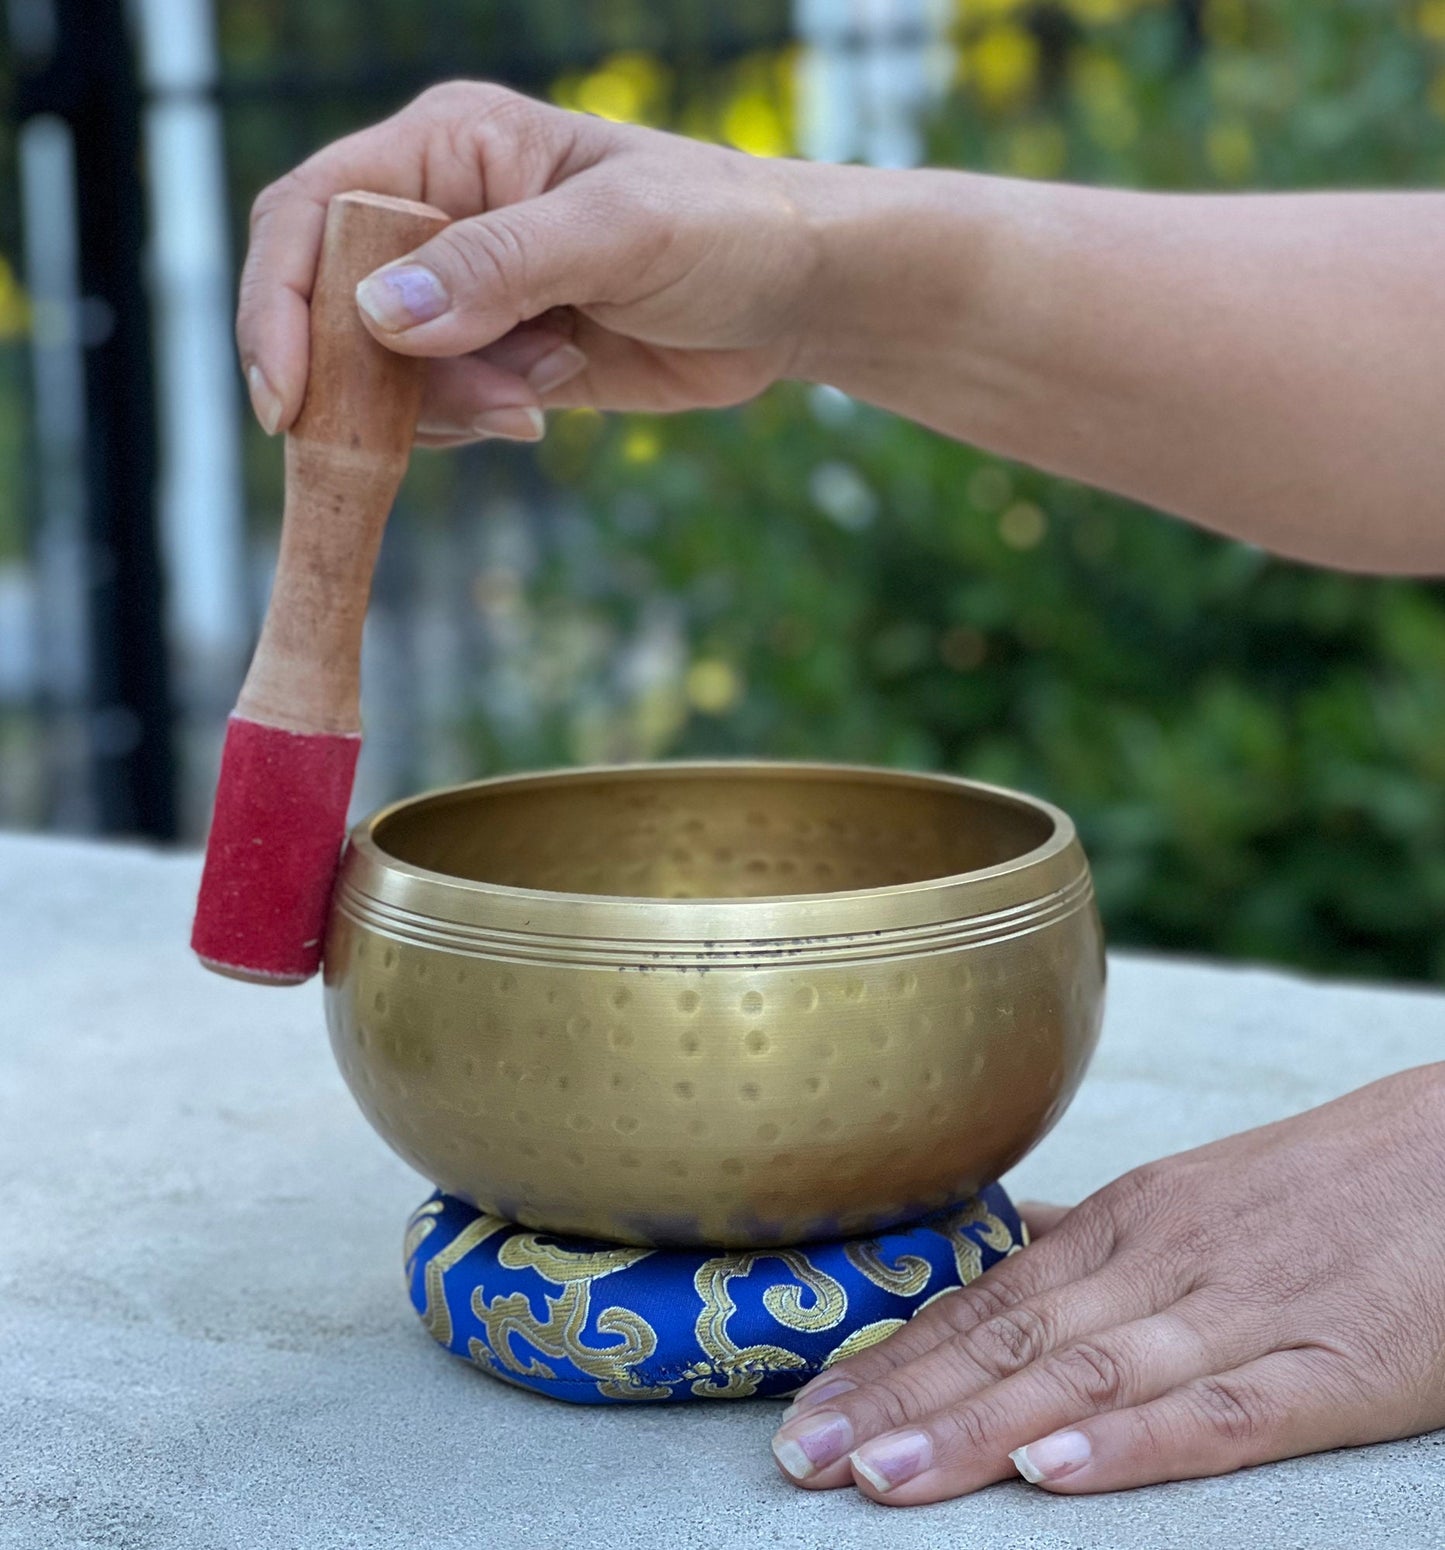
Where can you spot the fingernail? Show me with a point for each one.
(810, 1399)
(264, 400)
(888, 1462)
(400, 298)
(1051, 1458)
(560, 366)
(805, 1447)
(510, 424)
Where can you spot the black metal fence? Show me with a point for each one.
(97, 733)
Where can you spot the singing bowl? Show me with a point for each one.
(732, 1004)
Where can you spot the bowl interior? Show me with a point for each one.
(683, 833)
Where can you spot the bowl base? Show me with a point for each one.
(595, 1323)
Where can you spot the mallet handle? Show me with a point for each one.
(345, 459)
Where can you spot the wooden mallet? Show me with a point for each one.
(293, 738)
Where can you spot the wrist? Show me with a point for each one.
(894, 258)
(849, 257)
(932, 292)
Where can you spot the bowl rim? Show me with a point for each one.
(389, 893)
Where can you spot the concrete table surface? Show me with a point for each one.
(205, 1343)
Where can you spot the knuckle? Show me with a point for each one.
(974, 1428)
(1230, 1410)
(1009, 1341)
(1150, 1434)
(514, 132)
(476, 110)
(892, 1401)
(489, 261)
(490, 126)
(974, 1304)
(446, 97)
(1193, 1243)
(1092, 1374)
(1377, 1340)
(502, 105)
(1158, 1200)
(1139, 1193)
(943, 1315)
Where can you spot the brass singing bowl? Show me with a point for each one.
(730, 1004)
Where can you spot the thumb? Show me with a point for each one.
(479, 278)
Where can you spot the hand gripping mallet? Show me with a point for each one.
(293, 738)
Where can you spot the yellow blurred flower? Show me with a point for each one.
(753, 123)
(641, 445)
(1430, 19)
(627, 88)
(14, 305)
(607, 95)
(1229, 149)
(1037, 151)
(713, 686)
(1001, 64)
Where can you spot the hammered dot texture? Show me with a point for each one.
(598, 1003)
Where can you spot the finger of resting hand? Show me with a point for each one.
(954, 1371)
(1074, 1251)
(967, 1445)
(1278, 1406)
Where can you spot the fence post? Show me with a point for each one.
(78, 87)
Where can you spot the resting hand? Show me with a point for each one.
(589, 263)
(1273, 1294)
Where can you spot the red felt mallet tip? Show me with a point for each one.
(292, 743)
(275, 842)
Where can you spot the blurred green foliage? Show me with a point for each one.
(1255, 753)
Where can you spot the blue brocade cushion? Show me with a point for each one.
(597, 1323)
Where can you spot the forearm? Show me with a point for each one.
(1272, 367)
